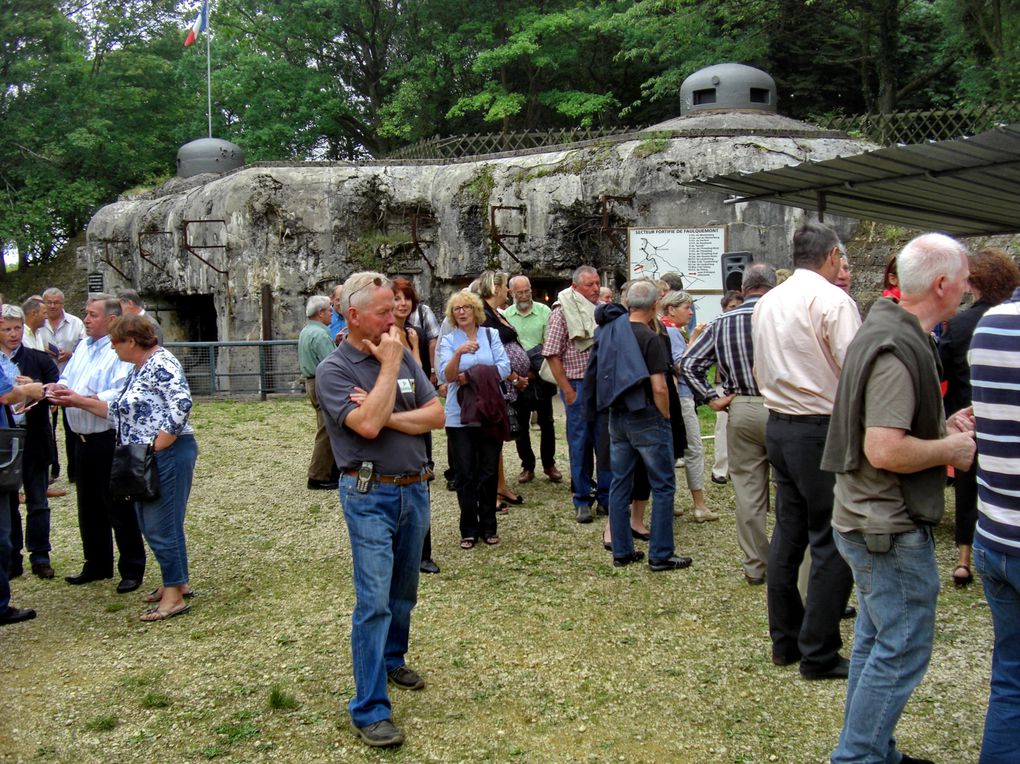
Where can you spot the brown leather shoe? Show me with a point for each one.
(554, 474)
(526, 476)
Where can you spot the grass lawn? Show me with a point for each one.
(537, 650)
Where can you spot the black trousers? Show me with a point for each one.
(98, 513)
(806, 630)
(966, 492)
(476, 462)
(525, 405)
(71, 442)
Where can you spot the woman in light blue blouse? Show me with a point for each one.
(153, 408)
(475, 455)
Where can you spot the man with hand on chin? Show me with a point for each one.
(379, 446)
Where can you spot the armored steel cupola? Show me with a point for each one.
(208, 155)
(728, 87)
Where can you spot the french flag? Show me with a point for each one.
(201, 24)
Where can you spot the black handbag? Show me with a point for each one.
(12, 451)
(134, 475)
(513, 421)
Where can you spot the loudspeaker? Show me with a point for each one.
(733, 264)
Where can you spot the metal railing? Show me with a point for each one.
(240, 369)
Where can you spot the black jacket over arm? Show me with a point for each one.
(40, 367)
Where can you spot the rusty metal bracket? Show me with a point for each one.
(416, 241)
(190, 248)
(497, 237)
(146, 255)
(106, 259)
(610, 232)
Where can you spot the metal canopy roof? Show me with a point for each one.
(965, 187)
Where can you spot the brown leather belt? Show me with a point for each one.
(407, 479)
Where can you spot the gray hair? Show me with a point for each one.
(356, 287)
(31, 304)
(674, 279)
(926, 258)
(674, 299)
(53, 291)
(518, 277)
(758, 276)
(642, 295)
(582, 270)
(111, 305)
(13, 313)
(315, 304)
(131, 296)
(812, 243)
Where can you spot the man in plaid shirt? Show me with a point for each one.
(727, 344)
(568, 339)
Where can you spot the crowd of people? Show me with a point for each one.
(847, 418)
(114, 385)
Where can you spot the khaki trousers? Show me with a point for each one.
(749, 471)
(322, 467)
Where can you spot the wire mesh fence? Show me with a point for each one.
(922, 126)
(240, 369)
(886, 129)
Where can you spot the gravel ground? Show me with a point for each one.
(537, 650)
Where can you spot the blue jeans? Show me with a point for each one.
(581, 445)
(386, 526)
(896, 594)
(162, 520)
(1000, 575)
(646, 436)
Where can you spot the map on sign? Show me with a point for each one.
(695, 253)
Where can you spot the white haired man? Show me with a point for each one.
(888, 443)
(314, 345)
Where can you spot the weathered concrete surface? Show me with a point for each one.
(300, 228)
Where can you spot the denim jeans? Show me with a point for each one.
(646, 436)
(581, 445)
(386, 528)
(896, 594)
(1000, 575)
(162, 520)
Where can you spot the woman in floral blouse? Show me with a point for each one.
(153, 408)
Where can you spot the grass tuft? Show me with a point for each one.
(281, 700)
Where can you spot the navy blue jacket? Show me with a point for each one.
(616, 369)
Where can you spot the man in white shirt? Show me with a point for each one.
(34, 318)
(801, 331)
(95, 370)
(59, 335)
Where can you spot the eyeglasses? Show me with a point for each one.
(53, 302)
(458, 308)
(377, 282)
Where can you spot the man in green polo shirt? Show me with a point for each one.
(529, 318)
(314, 344)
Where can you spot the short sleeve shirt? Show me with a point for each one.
(392, 452)
(653, 350)
(870, 500)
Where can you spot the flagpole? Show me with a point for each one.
(208, 78)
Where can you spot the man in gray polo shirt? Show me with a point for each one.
(378, 404)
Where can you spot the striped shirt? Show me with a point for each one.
(994, 359)
(727, 343)
(94, 369)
